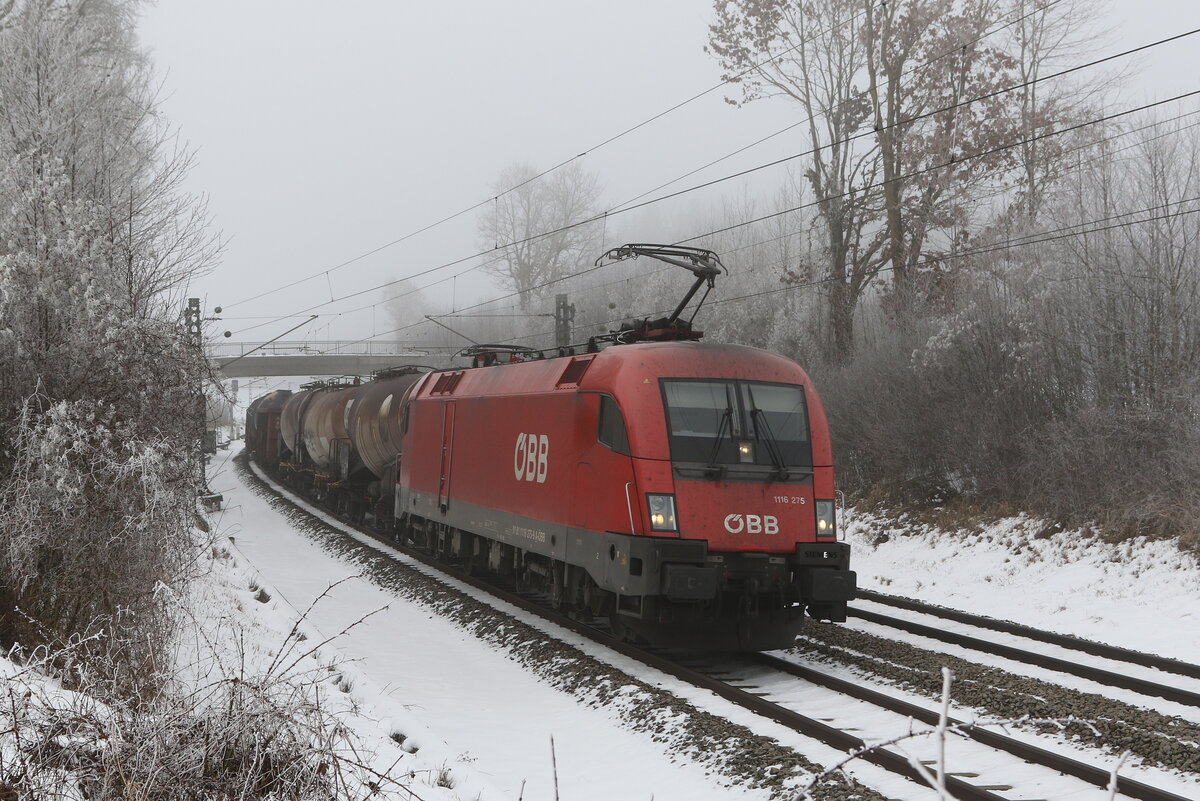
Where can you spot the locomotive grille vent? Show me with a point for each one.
(575, 371)
(446, 383)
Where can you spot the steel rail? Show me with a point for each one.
(888, 760)
(1108, 677)
(1022, 750)
(1162, 663)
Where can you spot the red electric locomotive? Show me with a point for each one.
(685, 491)
(682, 490)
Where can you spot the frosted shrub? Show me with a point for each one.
(239, 736)
(93, 520)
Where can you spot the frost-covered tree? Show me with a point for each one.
(96, 521)
(531, 226)
(97, 240)
(894, 177)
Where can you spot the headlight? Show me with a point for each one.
(826, 529)
(662, 512)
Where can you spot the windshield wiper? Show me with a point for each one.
(772, 444)
(757, 414)
(713, 470)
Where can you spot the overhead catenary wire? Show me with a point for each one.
(924, 65)
(805, 121)
(862, 134)
(619, 206)
(725, 81)
(952, 162)
(543, 173)
(1015, 242)
(376, 288)
(1008, 245)
(1059, 173)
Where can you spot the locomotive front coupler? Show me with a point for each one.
(824, 579)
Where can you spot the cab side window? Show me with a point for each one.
(612, 426)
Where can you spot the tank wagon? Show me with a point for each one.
(684, 491)
(262, 425)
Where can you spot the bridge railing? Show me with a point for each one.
(225, 349)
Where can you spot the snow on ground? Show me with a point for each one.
(1138, 594)
(30, 702)
(478, 707)
(242, 628)
(477, 713)
(1019, 668)
(234, 629)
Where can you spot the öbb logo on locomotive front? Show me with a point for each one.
(752, 524)
(530, 458)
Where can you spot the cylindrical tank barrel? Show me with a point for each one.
(262, 426)
(324, 421)
(289, 421)
(375, 423)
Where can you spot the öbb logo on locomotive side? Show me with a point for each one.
(752, 524)
(530, 458)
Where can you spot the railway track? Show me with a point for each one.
(889, 759)
(1021, 750)
(1111, 678)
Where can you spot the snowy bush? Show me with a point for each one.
(96, 519)
(242, 734)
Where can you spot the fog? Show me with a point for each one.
(325, 134)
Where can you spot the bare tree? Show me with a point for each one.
(1046, 37)
(923, 57)
(820, 49)
(889, 169)
(533, 228)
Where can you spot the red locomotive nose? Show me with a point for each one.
(743, 516)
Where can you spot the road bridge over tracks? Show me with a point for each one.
(327, 358)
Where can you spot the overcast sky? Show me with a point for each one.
(325, 131)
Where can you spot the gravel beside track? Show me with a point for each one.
(1162, 663)
(727, 748)
(1159, 740)
(1112, 678)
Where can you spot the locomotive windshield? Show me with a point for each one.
(726, 422)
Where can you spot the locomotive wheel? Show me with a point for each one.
(595, 600)
(558, 585)
(476, 559)
(525, 581)
(443, 549)
(622, 631)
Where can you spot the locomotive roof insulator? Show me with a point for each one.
(488, 355)
(704, 264)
